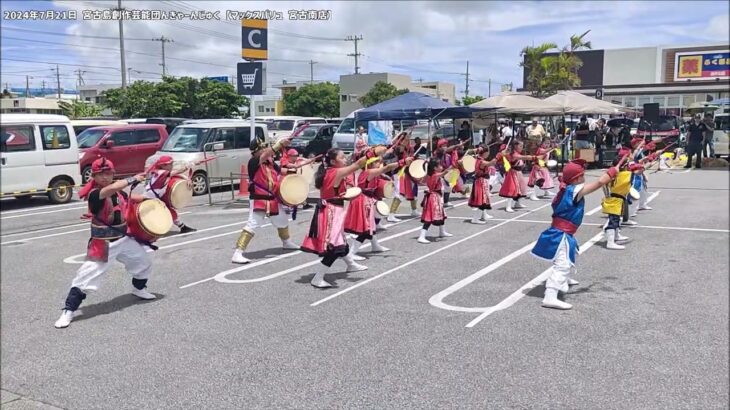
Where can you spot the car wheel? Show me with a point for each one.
(61, 191)
(200, 183)
(86, 175)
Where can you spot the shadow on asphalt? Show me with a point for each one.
(117, 304)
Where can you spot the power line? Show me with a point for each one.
(355, 39)
(71, 35)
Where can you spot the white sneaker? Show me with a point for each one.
(550, 194)
(448, 205)
(392, 218)
(645, 208)
(509, 209)
(288, 244)
(620, 237)
(415, 213)
(533, 196)
(486, 216)
(518, 206)
(443, 233)
(358, 258)
(573, 282)
(478, 221)
(376, 247)
(239, 258)
(319, 282)
(551, 301)
(630, 222)
(422, 237)
(65, 319)
(143, 294)
(355, 267)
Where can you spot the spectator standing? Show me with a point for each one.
(708, 136)
(696, 135)
(582, 129)
(600, 133)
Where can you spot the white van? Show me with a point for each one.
(721, 135)
(40, 155)
(344, 138)
(228, 141)
(80, 126)
(281, 126)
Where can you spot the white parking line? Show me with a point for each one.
(525, 289)
(42, 213)
(36, 208)
(222, 276)
(388, 272)
(26, 240)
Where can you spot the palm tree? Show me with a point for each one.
(532, 61)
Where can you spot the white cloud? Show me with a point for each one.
(425, 36)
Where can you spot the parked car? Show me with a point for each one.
(170, 123)
(82, 125)
(280, 126)
(721, 135)
(228, 141)
(314, 140)
(335, 121)
(127, 146)
(39, 152)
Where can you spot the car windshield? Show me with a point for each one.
(348, 126)
(280, 125)
(722, 123)
(88, 138)
(184, 139)
(665, 123)
(420, 132)
(308, 133)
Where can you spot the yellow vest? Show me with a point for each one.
(612, 205)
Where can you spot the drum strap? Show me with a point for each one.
(124, 233)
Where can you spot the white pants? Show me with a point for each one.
(256, 218)
(561, 269)
(396, 189)
(643, 196)
(127, 251)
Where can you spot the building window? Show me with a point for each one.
(261, 108)
(673, 102)
(644, 100)
(688, 99)
(660, 99)
(630, 101)
(343, 98)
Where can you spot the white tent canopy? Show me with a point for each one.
(571, 102)
(518, 104)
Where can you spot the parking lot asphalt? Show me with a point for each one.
(453, 324)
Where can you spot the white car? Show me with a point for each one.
(40, 156)
(721, 136)
(282, 126)
(218, 149)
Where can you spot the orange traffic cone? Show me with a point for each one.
(243, 187)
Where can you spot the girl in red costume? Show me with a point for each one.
(540, 174)
(514, 186)
(406, 187)
(479, 199)
(158, 176)
(361, 219)
(433, 202)
(326, 236)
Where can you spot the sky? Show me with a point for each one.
(426, 40)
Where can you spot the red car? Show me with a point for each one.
(127, 146)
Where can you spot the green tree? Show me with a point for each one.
(380, 92)
(314, 100)
(79, 109)
(532, 62)
(469, 100)
(175, 97)
(563, 68)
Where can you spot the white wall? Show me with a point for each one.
(630, 66)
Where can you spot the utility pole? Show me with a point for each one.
(355, 39)
(129, 75)
(58, 80)
(43, 87)
(311, 71)
(27, 86)
(490, 88)
(80, 82)
(121, 46)
(163, 40)
(466, 89)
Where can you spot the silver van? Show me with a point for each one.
(226, 141)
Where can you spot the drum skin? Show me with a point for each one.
(178, 195)
(382, 208)
(293, 190)
(148, 220)
(417, 169)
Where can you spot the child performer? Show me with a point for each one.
(263, 181)
(158, 176)
(362, 219)
(613, 205)
(557, 243)
(479, 199)
(326, 236)
(443, 153)
(540, 174)
(514, 186)
(433, 202)
(291, 163)
(107, 206)
(406, 187)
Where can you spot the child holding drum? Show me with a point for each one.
(540, 174)
(160, 179)
(433, 202)
(479, 198)
(326, 236)
(109, 239)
